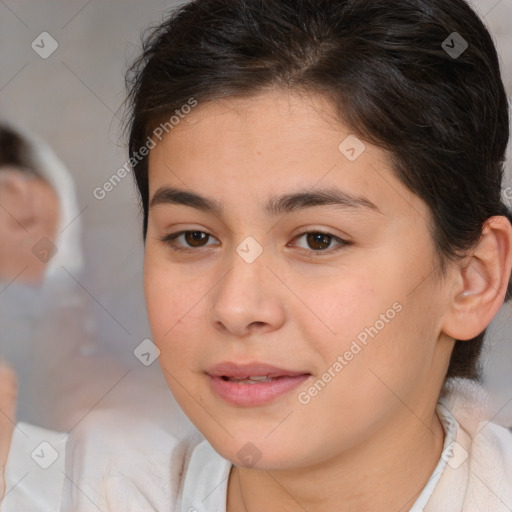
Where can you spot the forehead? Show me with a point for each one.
(254, 121)
(266, 145)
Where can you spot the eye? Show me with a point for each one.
(194, 238)
(318, 241)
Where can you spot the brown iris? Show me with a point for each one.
(315, 239)
(193, 237)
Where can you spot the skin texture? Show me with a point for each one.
(370, 439)
(29, 213)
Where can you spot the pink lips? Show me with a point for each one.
(257, 393)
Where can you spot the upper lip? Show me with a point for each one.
(243, 371)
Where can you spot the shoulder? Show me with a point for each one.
(111, 461)
(490, 478)
(205, 479)
(34, 475)
(486, 445)
(119, 462)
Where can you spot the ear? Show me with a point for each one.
(481, 282)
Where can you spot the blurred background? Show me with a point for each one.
(62, 68)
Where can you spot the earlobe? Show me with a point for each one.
(482, 282)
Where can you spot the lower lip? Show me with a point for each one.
(259, 393)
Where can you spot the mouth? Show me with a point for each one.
(253, 384)
(253, 379)
(251, 371)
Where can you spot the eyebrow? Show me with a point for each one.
(286, 203)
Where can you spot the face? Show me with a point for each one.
(336, 294)
(29, 218)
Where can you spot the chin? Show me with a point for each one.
(256, 452)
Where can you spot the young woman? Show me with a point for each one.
(325, 245)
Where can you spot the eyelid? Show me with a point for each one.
(170, 240)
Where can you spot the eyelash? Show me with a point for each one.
(170, 240)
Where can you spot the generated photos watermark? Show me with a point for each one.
(100, 193)
(305, 397)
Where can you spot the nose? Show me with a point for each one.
(248, 299)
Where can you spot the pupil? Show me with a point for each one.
(318, 238)
(314, 239)
(195, 236)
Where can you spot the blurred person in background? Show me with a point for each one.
(43, 312)
(29, 212)
(37, 206)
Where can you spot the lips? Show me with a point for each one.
(230, 370)
(253, 385)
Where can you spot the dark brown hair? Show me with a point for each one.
(387, 68)
(16, 152)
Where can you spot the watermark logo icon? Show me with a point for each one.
(249, 250)
(44, 455)
(455, 45)
(44, 250)
(146, 352)
(352, 148)
(249, 455)
(454, 455)
(44, 45)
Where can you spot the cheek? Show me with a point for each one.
(369, 322)
(176, 317)
(175, 308)
(338, 311)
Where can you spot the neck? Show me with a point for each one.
(387, 472)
